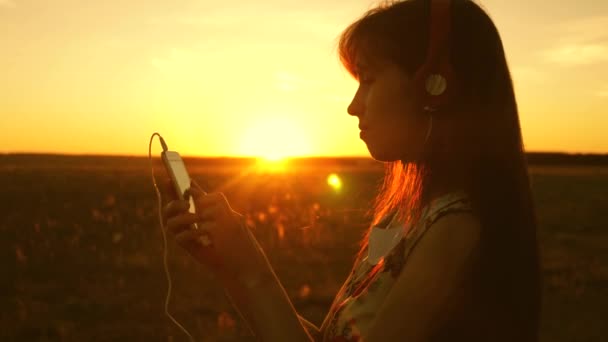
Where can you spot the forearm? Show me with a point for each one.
(263, 303)
(269, 312)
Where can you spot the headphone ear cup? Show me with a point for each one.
(435, 84)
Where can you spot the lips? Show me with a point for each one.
(364, 130)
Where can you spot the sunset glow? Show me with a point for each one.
(274, 139)
(272, 165)
(259, 78)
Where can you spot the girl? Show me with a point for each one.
(452, 252)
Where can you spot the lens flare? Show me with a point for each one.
(334, 181)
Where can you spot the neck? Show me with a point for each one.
(442, 184)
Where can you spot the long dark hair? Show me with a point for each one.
(482, 147)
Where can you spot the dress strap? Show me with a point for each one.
(449, 203)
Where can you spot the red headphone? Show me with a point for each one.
(434, 80)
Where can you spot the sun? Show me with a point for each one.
(272, 164)
(275, 139)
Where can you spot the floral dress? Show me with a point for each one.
(372, 278)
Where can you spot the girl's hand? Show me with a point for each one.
(222, 241)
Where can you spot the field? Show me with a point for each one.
(81, 248)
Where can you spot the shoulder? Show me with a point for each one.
(450, 240)
(452, 221)
(458, 202)
(433, 278)
(452, 231)
(451, 214)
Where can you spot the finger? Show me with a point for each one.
(205, 199)
(187, 236)
(181, 222)
(193, 235)
(211, 207)
(208, 213)
(220, 198)
(175, 207)
(195, 192)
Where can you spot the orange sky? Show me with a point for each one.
(259, 78)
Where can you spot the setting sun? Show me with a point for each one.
(274, 139)
(273, 165)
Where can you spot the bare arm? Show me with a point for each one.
(440, 262)
(313, 330)
(269, 312)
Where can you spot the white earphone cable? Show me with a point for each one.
(162, 228)
(428, 132)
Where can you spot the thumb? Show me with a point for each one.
(194, 191)
(195, 184)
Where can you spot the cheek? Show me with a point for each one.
(406, 133)
(393, 110)
(402, 124)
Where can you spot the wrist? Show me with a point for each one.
(245, 290)
(259, 272)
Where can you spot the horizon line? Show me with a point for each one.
(252, 157)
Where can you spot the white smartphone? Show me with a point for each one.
(178, 174)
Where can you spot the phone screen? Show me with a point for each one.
(179, 175)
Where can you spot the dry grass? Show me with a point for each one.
(82, 248)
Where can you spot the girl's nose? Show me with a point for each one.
(351, 109)
(355, 107)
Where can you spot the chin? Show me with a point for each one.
(392, 155)
(383, 156)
